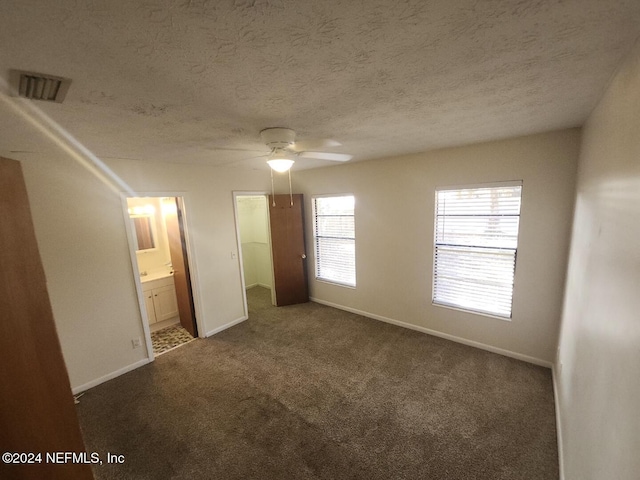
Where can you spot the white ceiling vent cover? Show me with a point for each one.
(39, 86)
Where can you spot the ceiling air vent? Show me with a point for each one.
(39, 86)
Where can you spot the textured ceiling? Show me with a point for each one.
(194, 80)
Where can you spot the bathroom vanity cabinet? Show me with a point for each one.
(160, 299)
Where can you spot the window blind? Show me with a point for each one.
(334, 232)
(476, 240)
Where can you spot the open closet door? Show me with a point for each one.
(37, 413)
(288, 247)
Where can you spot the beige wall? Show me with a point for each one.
(80, 227)
(394, 237)
(598, 365)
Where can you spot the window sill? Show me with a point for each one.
(473, 312)
(333, 282)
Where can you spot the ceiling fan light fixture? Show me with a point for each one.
(280, 161)
(280, 165)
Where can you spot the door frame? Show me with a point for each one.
(191, 259)
(242, 193)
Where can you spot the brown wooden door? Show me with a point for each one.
(181, 275)
(37, 413)
(288, 247)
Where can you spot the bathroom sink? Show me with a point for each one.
(155, 276)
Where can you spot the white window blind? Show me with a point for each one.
(335, 239)
(476, 241)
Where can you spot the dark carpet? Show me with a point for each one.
(310, 392)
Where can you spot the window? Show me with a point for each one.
(335, 239)
(476, 240)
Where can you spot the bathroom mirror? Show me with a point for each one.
(145, 233)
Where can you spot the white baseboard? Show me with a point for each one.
(226, 325)
(435, 333)
(247, 287)
(558, 424)
(109, 376)
(263, 285)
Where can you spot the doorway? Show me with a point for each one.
(254, 241)
(159, 246)
(276, 224)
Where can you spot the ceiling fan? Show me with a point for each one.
(285, 149)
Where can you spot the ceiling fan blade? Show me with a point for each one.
(231, 162)
(214, 148)
(334, 157)
(314, 144)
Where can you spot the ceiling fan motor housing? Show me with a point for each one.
(278, 137)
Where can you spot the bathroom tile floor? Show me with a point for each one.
(169, 338)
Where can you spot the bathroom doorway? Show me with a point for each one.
(254, 242)
(159, 246)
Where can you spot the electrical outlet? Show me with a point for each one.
(136, 342)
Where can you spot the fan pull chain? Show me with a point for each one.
(290, 191)
(273, 192)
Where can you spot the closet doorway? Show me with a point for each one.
(254, 242)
